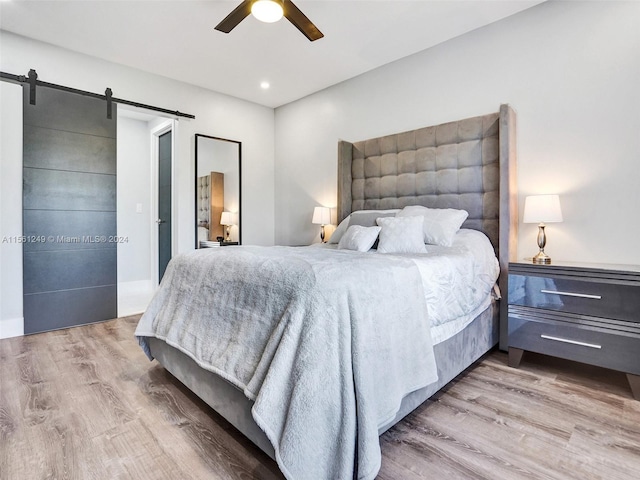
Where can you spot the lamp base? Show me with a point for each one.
(542, 258)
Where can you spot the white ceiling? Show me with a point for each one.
(177, 39)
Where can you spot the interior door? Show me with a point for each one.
(69, 211)
(164, 202)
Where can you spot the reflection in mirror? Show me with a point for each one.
(217, 191)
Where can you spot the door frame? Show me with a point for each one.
(170, 125)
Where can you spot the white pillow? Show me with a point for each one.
(440, 224)
(344, 224)
(339, 231)
(401, 235)
(359, 238)
(203, 233)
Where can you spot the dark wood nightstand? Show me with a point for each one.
(588, 313)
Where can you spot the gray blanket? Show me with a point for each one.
(325, 342)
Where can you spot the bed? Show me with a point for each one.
(468, 165)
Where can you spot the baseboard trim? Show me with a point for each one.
(11, 327)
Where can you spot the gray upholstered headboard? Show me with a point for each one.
(469, 164)
(204, 201)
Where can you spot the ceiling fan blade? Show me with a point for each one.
(300, 21)
(234, 18)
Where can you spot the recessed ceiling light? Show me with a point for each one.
(264, 85)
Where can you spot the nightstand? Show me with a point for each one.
(588, 313)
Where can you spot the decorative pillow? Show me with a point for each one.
(339, 231)
(360, 220)
(203, 233)
(440, 224)
(359, 238)
(368, 219)
(401, 235)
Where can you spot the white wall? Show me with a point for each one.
(216, 115)
(571, 70)
(11, 321)
(134, 188)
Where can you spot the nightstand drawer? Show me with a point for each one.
(583, 343)
(593, 297)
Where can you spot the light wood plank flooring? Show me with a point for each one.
(85, 403)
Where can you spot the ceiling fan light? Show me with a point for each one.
(267, 11)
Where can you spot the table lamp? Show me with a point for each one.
(227, 219)
(321, 216)
(542, 209)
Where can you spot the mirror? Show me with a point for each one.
(218, 215)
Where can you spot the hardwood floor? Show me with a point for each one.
(85, 403)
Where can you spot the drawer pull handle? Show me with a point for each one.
(571, 294)
(573, 342)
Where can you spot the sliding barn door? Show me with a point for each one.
(69, 217)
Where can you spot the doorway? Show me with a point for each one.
(139, 133)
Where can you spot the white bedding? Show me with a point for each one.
(458, 281)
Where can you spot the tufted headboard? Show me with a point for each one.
(204, 201)
(469, 164)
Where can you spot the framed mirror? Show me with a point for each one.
(218, 218)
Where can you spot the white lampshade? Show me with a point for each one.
(226, 218)
(542, 209)
(321, 216)
(267, 11)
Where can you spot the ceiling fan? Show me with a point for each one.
(271, 11)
